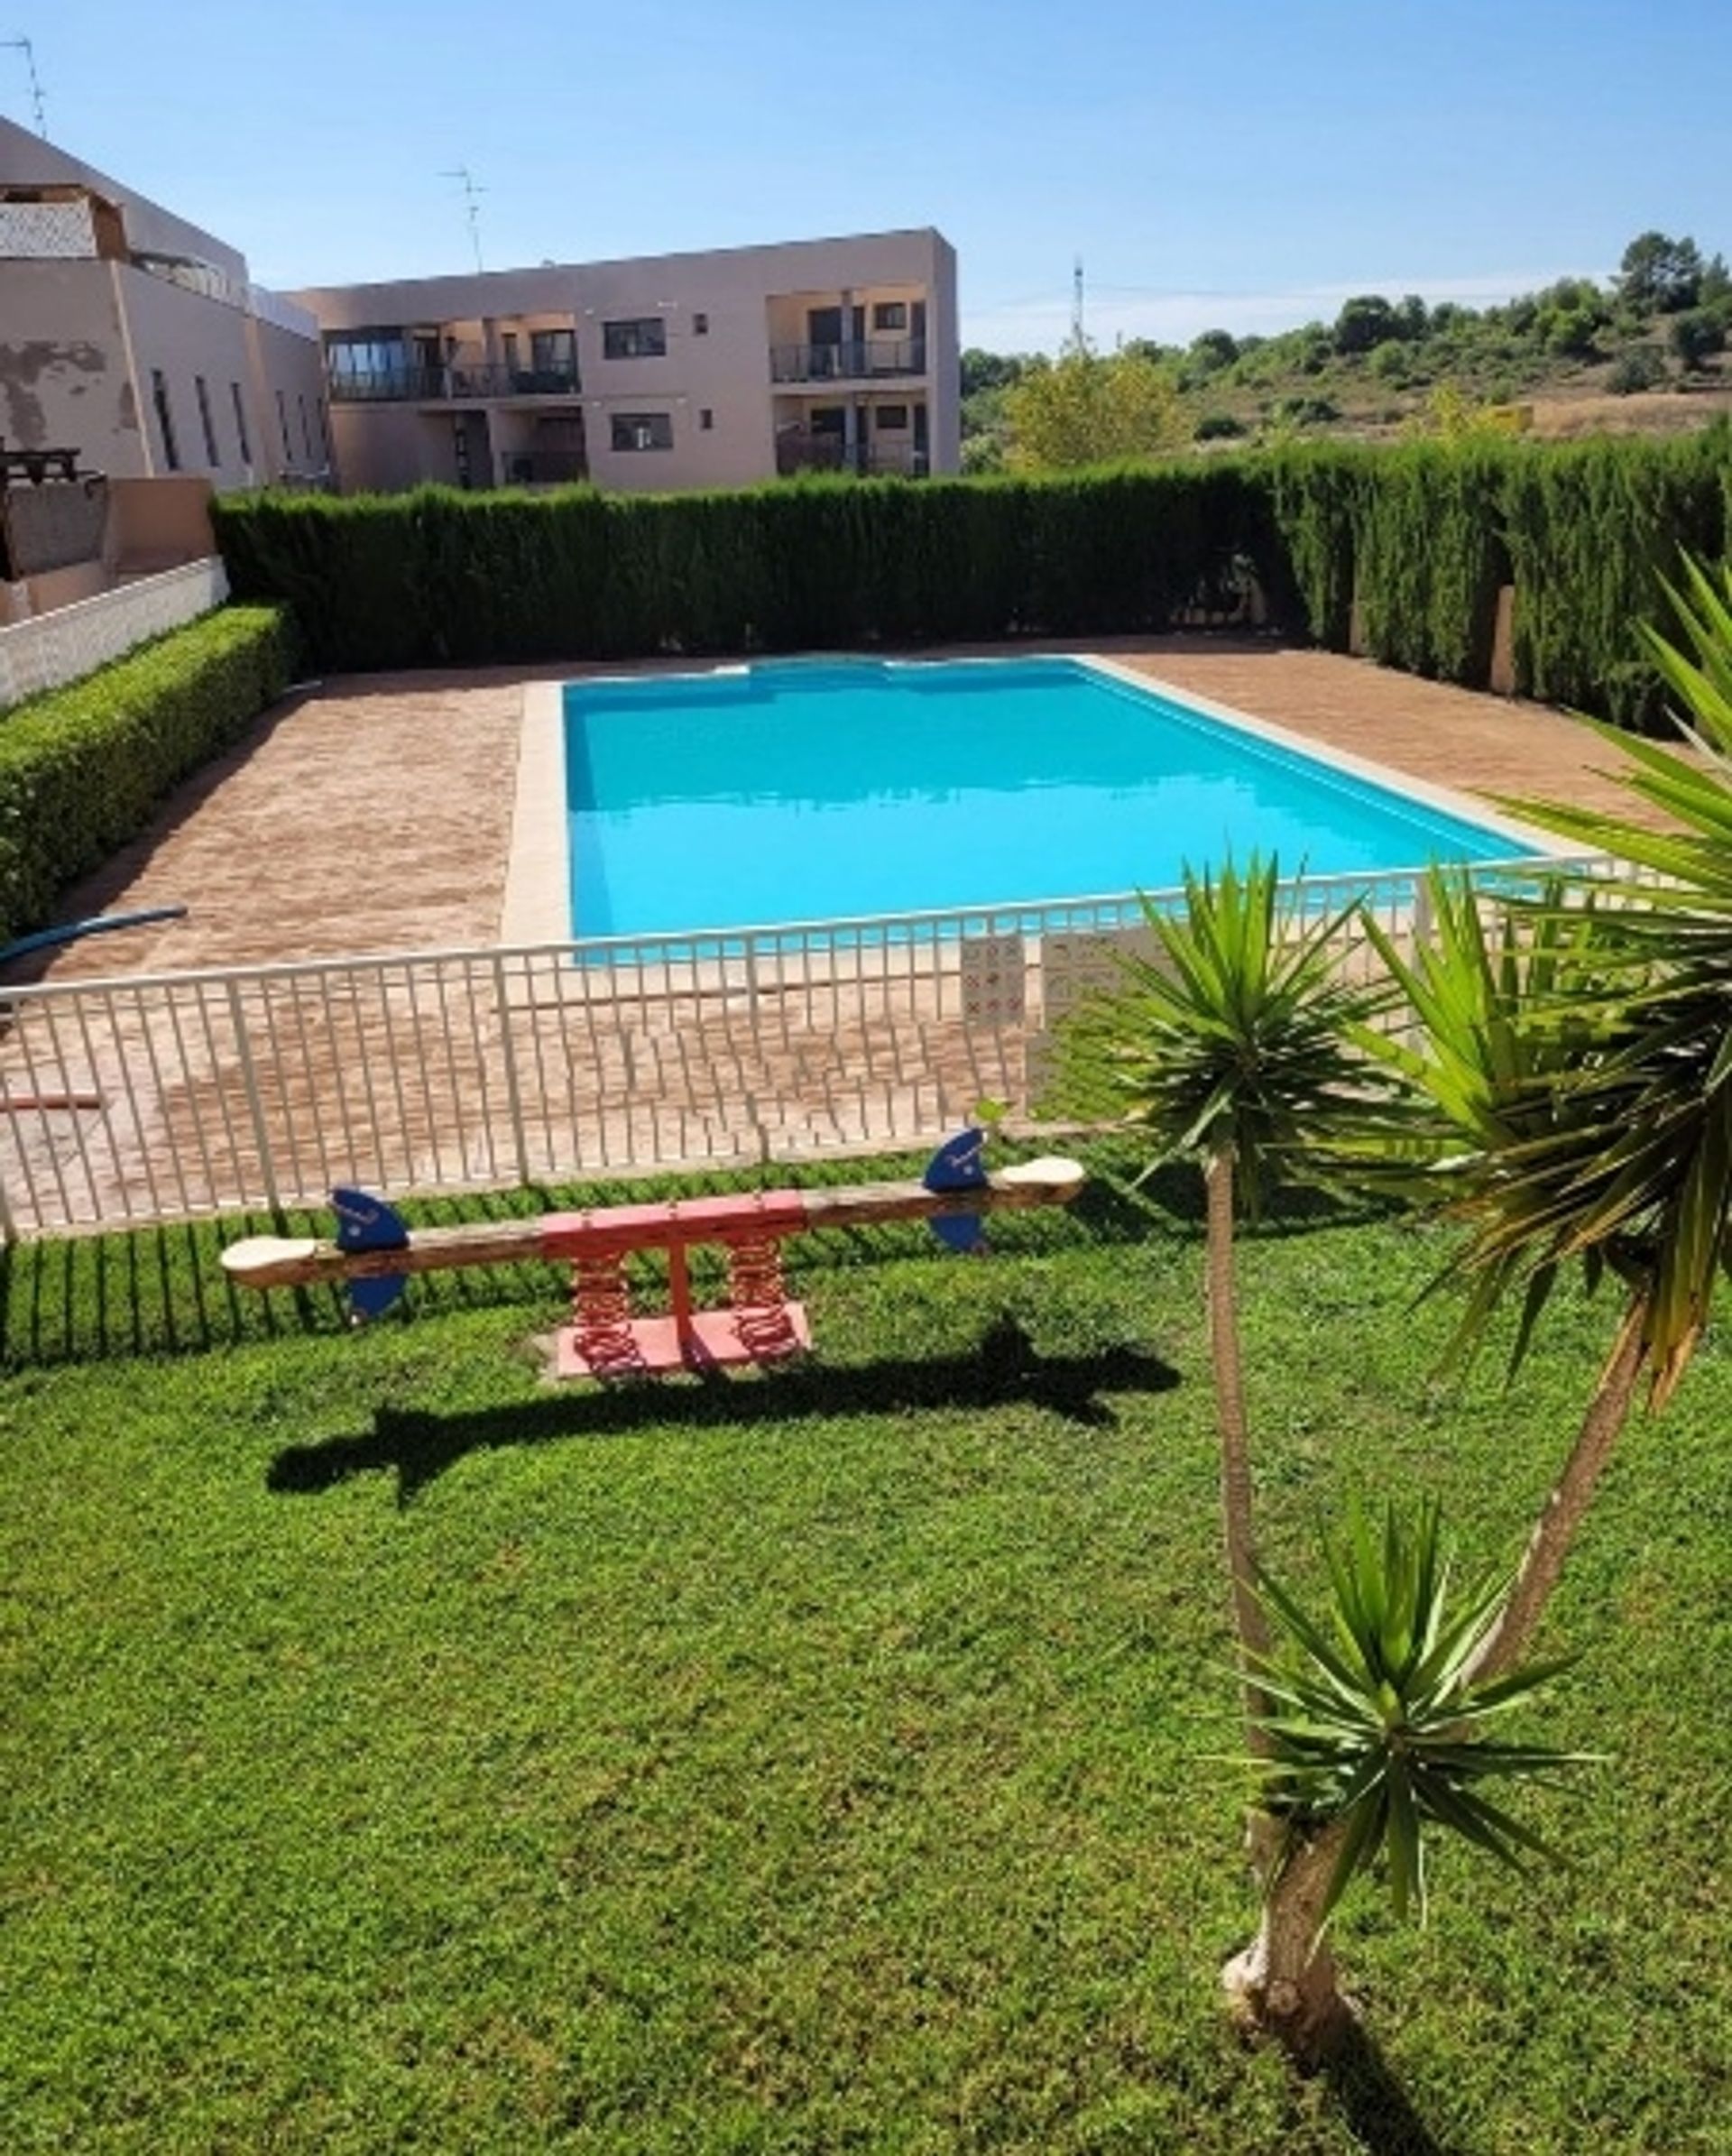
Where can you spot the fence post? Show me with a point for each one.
(254, 1104)
(513, 1092)
(1422, 915)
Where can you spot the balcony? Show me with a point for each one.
(454, 384)
(545, 467)
(855, 359)
(801, 452)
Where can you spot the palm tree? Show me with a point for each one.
(1234, 1046)
(1585, 1064)
(1378, 1734)
(1231, 1046)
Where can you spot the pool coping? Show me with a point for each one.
(537, 903)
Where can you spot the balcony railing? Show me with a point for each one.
(545, 467)
(455, 383)
(796, 453)
(856, 359)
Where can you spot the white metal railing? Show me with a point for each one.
(448, 1070)
(52, 648)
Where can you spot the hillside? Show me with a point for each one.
(1645, 352)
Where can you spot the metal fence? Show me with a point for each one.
(63, 646)
(132, 1100)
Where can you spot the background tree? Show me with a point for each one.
(1696, 336)
(1365, 323)
(986, 376)
(1084, 409)
(1659, 275)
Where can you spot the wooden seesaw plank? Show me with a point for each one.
(263, 1261)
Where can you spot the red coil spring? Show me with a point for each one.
(601, 1311)
(759, 1297)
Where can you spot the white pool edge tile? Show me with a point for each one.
(1450, 801)
(537, 908)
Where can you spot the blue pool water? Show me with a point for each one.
(804, 790)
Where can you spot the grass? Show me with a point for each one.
(400, 1756)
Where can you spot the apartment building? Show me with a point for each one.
(139, 340)
(671, 371)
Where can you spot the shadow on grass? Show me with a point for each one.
(1006, 1367)
(1373, 2105)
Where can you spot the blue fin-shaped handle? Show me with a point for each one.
(958, 1165)
(365, 1222)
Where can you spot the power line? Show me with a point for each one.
(23, 45)
(472, 195)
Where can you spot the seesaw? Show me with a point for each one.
(374, 1252)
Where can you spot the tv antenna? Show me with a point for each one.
(472, 194)
(23, 45)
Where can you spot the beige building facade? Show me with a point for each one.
(672, 370)
(139, 340)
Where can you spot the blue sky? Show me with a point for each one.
(1248, 166)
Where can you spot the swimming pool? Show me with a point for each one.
(832, 789)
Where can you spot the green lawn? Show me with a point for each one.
(399, 1756)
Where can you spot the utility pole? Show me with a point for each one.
(23, 45)
(472, 195)
(1076, 305)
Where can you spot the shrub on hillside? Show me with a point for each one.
(82, 769)
(1697, 336)
(1640, 368)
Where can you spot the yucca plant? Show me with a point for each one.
(1378, 1737)
(1593, 1108)
(1231, 1046)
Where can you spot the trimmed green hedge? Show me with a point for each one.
(82, 769)
(1423, 535)
(440, 577)
(1409, 544)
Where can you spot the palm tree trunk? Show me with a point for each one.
(1567, 1504)
(1283, 1983)
(1237, 1519)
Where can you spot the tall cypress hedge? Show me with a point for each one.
(440, 577)
(1593, 528)
(1410, 545)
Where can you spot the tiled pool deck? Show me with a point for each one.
(374, 813)
(376, 816)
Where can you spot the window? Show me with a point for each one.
(164, 419)
(213, 455)
(306, 432)
(643, 431)
(373, 363)
(240, 422)
(891, 419)
(508, 345)
(891, 314)
(282, 422)
(700, 324)
(644, 338)
(706, 419)
(553, 357)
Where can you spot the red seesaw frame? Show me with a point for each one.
(758, 1323)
